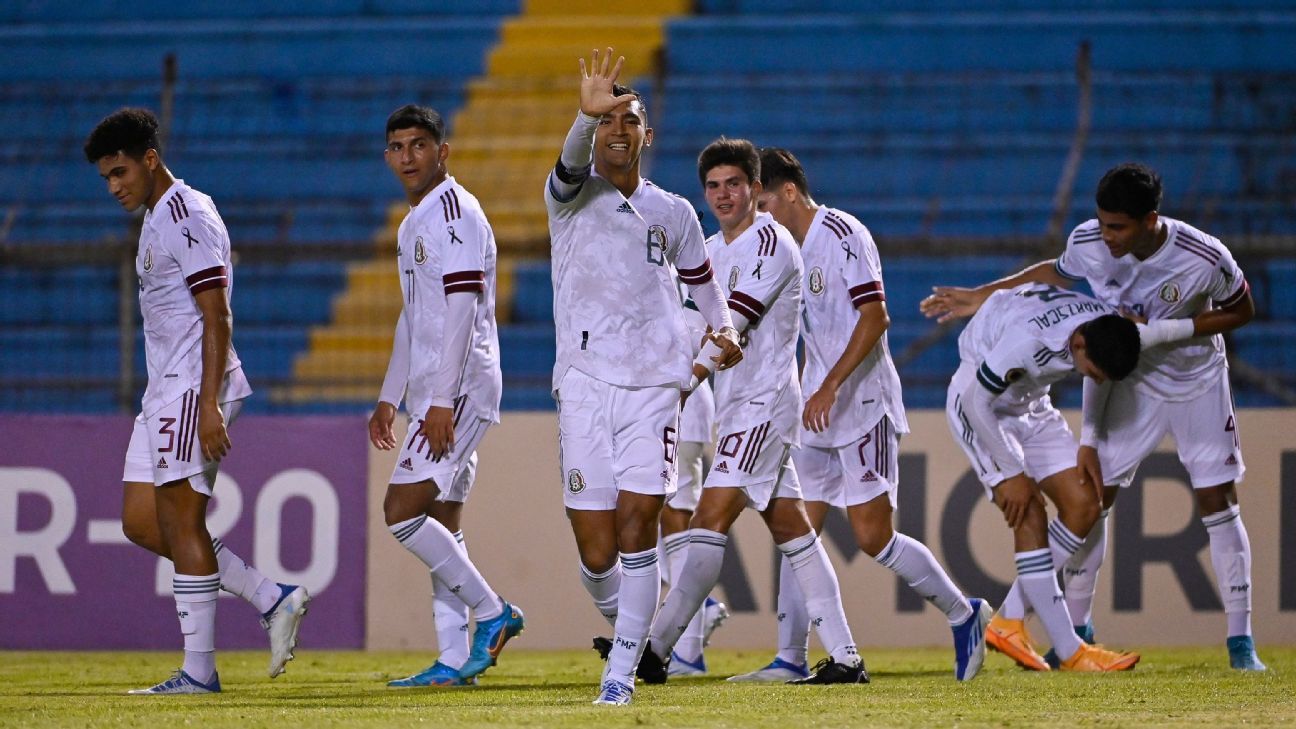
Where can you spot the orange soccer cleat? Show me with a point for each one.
(1010, 638)
(1096, 659)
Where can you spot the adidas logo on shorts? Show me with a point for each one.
(722, 467)
(1231, 460)
(407, 465)
(162, 463)
(868, 477)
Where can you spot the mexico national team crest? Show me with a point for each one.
(816, 281)
(1169, 292)
(733, 278)
(575, 481)
(420, 253)
(148, 258)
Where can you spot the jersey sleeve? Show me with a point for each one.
(463, 255)
(1006, 362)
(1073, 263)
(776, 264)
(862, 268)
(200, 249)
(1227, 286)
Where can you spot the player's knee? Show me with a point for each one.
(1080, 514)
(1215, 499)
(142, 535)
(873, 536)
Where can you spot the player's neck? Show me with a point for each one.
(162, 181)
(1145, 249)
(803, 214)
(740, 227)
(416, 196)
(625, 179)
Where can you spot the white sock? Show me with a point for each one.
(195, 598)
(1014, 606)
(689, 645)
(239, 578)
(604, 588)
(1080, 573)
(793, 622)
(1039, 584)
(915, 564)
(640, 590)
(703, 559)
(432, 543)
(823, 602)
(451, 617)
(1230, 550)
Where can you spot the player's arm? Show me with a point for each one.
(1092, 425)
(393, 389)
(869, 328)
(720, 350)
(1001, 367)
(1233, 308)
(596, 99)
(217, 331)
(953, 302)
(461, 313)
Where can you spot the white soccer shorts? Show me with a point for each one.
(855, 473)
(453, 472)
(1204, 430)
(165, 447)
(697, 422)
(613, 439)
(756, 460)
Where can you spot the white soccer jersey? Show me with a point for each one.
(763, 269)
(445, 245)
(184, 250)
(1190, 273)
(1019, 341)
(617, 312)
(842, 272)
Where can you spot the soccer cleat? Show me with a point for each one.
(282, 621)
(1242, 654)
(651, 668)
(830, 671)
(489, 638)
(682, 667)
(438, 674)
(1010, 638)
(969, 640)
(614, 693)
(778, 671)
(1083, 632)
(714, 613)
(603, 646)
(1096, 659)
(180, 683)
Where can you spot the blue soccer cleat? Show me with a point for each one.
(1086, 635)
(614, 693)
(1242, 654)
(180, 683)
(680, 666)
(438, 674)
(969, 641)
(778, 671)
(281, 622)
(489, 639)
(714, 613)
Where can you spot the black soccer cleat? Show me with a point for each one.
(651, 668)
(603, 646)
(830, 671)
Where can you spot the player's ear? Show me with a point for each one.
(1150, 220)
(443, 153)
(648, 137)
(151, 159)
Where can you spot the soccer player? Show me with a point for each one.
(624, 352)
(445, 364)
(1020, 342)
(195, 386)
(757, 408)
(853, 418)
(1189, 290)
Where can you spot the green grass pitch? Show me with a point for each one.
(1171, 687)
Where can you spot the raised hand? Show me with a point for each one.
(596, 95)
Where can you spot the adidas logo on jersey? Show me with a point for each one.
(722, 467)
(162, 463)
(868, 477)
(1230, 461)
(625, 208)
(1112, 283)
(407, 465)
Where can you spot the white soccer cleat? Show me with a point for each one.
(614, 693)
(282, 622)
(180, 683)
(714, 613)
(778, 671)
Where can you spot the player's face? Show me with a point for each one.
(730, 194)
(129, 180)
(416, 159)
(778, 202)
(621, 135)
(1123, 234)
(1080, 356)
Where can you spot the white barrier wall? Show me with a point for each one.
(1157, 587)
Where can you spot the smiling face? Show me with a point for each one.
(731, 195)
(417, 160)
(621, 136)
(131, 181)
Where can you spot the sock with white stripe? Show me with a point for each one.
(703, 559)
(1039, 584)
(604, 588)
(241, 579)
(793, 621)
(450, 615)
(814, 573)
(914, 563)
(195, 599)
(674, 546)
(432, 543)
(1080, 572)
(1230, 550)
(640, 590)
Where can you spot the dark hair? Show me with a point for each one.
(133, 131)
(621, 90)
(1112, 343)
(777, 166)
(737, 152)
(1131, 188)
(423, 117)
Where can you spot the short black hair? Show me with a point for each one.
(622, 90)
(423, 117)
(740, 153)
(777, 166)
(1131, 188)
(132, 130)
(1112, 343)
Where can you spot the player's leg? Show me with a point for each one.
(687, 658)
